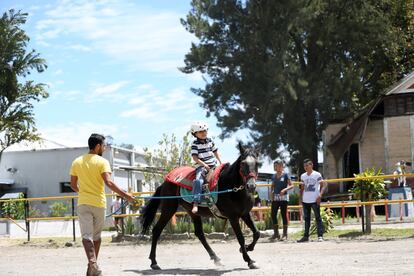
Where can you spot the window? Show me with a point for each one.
(399, 105)
(65, 187)
(139, 185)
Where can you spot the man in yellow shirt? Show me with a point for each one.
(89, 174)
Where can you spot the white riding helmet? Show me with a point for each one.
(198, 126)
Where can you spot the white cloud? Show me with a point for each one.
(107, 89)
(149, 40)
(151, 104)
(144, 112)
(57, 72)
(112, 92)
(74, 134)
(80, 47)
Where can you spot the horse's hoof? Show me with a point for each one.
(252, 265)
(155, 267)
(217, 262)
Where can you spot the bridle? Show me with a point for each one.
(248, 176)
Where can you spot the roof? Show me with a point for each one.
(405, 85)
(340, 142)
(46, 144)
(6, 181)
(10, 196)
(42, 144)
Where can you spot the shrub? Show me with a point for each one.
(129, 226)
(58, 209)
(260, 225)
(207, 228)
(294, 199)
(220, 225)
(34, 212)
(14, 209)
(327, 216)
(370, 189)
(268, 219)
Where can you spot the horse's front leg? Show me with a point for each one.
(256, 234)
(236, 228)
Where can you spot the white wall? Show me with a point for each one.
(41, 171)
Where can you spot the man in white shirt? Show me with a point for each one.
(311, 192)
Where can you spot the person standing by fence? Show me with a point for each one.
(281, 184)
(312, 189)
(117, 210)
(89, 174)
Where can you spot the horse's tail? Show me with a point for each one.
(150, 210)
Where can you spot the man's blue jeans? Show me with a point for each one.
(201, 173)
(307, 214)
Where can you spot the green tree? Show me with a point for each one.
(168, 155)
(127, 146)
(369, 189)
(17, 121)
(284, 69)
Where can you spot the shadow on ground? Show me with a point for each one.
(351, 235)
(180, 271)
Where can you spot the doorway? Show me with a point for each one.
(350, 165)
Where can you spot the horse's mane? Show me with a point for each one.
(230, 176)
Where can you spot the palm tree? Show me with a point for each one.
(16, 109)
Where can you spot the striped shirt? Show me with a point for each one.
(204, 150)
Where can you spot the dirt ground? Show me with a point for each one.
(332, 257)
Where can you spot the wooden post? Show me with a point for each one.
(386, 210)
(26, 217)
(357, 211)
(73, 220)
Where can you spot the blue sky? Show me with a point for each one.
(112, 69)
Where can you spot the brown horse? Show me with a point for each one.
(240, 177)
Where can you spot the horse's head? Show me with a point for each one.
(249, 166)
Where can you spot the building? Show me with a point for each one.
(42, 170)
(381, 135)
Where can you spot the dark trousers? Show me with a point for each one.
(283, 209)
(307, 214)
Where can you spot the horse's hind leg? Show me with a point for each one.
(236, 228)
(198, 231)
(168, 209)
(256, 234)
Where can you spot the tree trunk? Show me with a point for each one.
(310, 144)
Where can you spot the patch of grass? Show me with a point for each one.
(355, 234)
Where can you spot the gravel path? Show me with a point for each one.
(332, 257)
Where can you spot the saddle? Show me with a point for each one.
(184, 177)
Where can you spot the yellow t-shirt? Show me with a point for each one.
(89, 168)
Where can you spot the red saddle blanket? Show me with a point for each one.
(184, 176)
